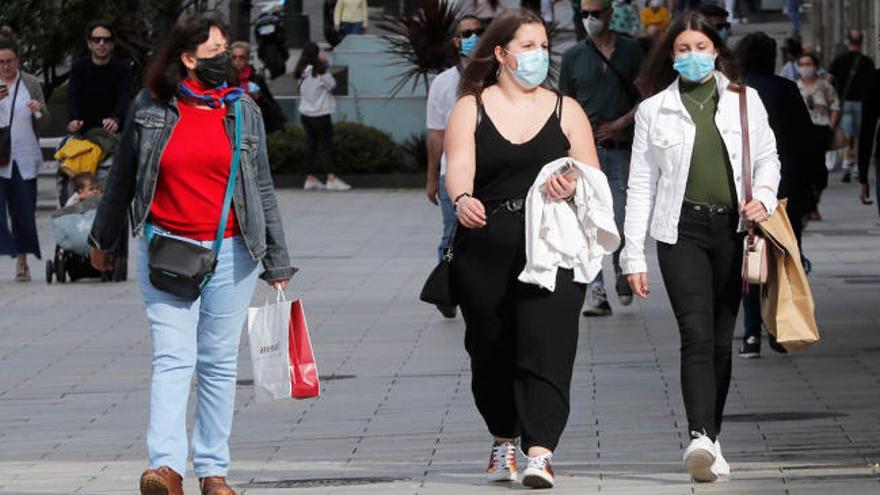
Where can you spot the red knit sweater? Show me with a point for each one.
(193, 173)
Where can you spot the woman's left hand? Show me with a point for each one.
(278, 284)
(560, 186)
(34, 106)
(754, 211)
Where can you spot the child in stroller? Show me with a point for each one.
(72, 225)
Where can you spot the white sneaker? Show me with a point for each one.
(502, 462)
(699, 457)
(313, 185)
(720, 467)
(538, 473)
(337, 184)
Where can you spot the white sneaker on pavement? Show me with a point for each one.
(502, 462)
(699, 457)
(313, 185)
(337, 184)
(539, 472)
(720, 467)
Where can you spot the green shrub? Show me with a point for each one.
(357, 149)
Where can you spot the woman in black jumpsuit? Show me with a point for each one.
(521, 339)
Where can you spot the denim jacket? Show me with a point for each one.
(132, 181)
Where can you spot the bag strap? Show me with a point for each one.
(230, 184)
(14, 97)
(448, 253)
(746, 173)
(629, 87)
(852, 76)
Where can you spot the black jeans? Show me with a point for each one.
(702, 273)
(319, 137)
(521, 339)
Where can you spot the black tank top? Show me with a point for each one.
(506, 170)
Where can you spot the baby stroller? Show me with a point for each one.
(72, 225)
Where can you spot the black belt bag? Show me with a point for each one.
(182, 267)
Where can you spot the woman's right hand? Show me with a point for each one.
(639, 284)
(101, 260)
(471, 212)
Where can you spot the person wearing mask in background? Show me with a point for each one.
(718, 17)
(791, 52)
(22, 107)
(502, 132)
(255, 86)
(99, 90)
(486, 10)
(442, 96)
(351, 16)
(607, 93)
(686, 188)
(316, 106)
(824, 107)
(801, 155)
(869, 138)
(625, 19)
(851, 74)
(171, 174)
(655, 14)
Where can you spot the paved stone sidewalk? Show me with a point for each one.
(396, 415)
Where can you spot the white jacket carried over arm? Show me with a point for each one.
(573, 234)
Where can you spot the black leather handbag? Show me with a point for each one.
(183, 267)
(6, 132)
(438, 288)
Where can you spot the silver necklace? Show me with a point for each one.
(700, 103)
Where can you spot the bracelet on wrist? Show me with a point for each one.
(459, 198)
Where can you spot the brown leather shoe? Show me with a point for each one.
(215, 485)
(162, 481)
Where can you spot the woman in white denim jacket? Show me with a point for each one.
(686, 184)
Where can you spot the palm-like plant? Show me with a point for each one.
(420, 43)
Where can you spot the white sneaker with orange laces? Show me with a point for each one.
(502, 462)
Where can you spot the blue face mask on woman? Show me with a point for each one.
(694, 66)
(469, 44)
(531, 67)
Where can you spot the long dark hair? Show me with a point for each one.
(166, 71)
(309, 57)
(483, 69)
(658, 73)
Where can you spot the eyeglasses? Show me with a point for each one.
(467, 33)
(593, 13)
(101, 39)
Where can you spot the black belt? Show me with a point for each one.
(615, 145)
(708, 210)
(513, 205)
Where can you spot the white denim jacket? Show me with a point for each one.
(661, 158)
(573, 234)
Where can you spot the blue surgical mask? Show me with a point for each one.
(694, 66)
(724, 34)
(468, 45)
(531, 67)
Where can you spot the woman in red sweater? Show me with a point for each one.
(175, 164)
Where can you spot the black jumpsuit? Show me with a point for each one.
(521, 339)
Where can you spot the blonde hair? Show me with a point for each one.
(240, 44)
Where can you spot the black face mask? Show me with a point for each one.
(214, 71)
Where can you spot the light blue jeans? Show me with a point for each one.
(615, 164)
(200, 335)
(449, 218)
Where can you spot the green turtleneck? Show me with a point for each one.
(710, 180)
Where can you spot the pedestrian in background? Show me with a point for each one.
(655, 14)
(316, 106)
(521, 338)
(99, 90)
(851, 74)
(791, 52)
(625, 19)
(868, 140)
(686, 186)
(174, 164)
(442, 96)
(256, 87)
(486, 10)
(351, 16)
(23, 108)
(801, 149)
(599, 74)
